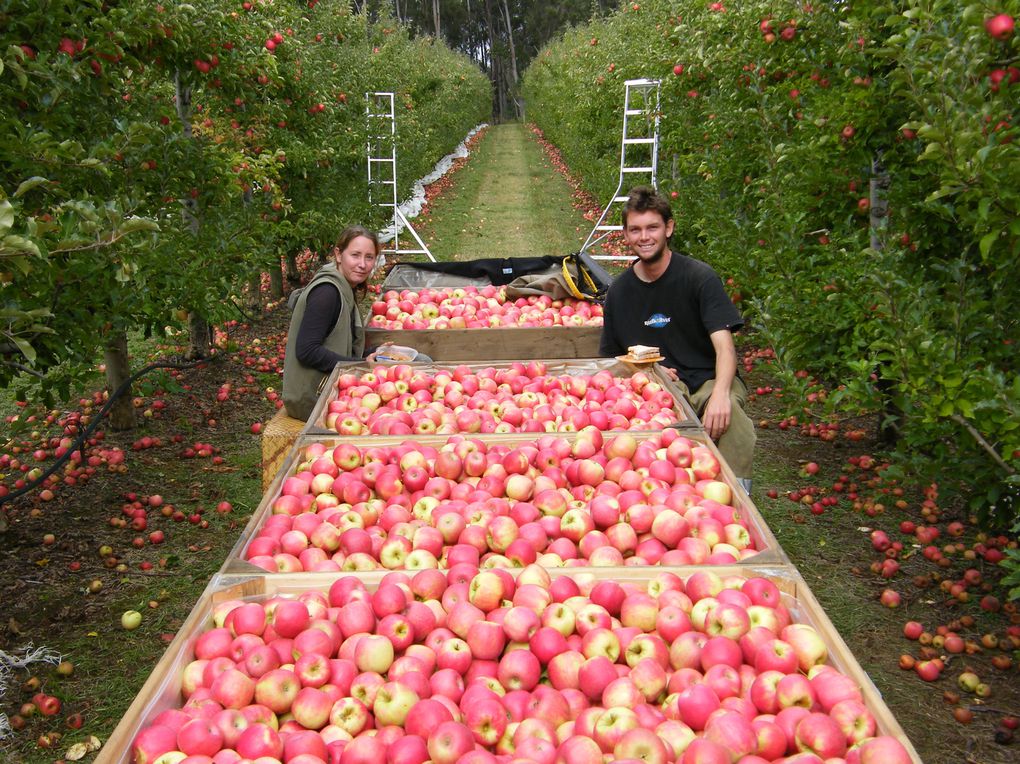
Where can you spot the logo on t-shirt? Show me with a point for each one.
(657, 321)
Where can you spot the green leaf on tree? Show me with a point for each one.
(29, 184)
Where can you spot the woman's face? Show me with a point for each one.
(357, 260)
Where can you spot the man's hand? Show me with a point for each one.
(671, 373)
(372, 358)
(716, 416)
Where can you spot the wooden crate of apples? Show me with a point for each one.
(572, 499)
(471, 666)
(466, 323)
(494, 397)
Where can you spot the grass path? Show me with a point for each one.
(508, 201)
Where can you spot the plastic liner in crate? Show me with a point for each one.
(164, 691)
(418, 418)
(712, 523)
(477, 272)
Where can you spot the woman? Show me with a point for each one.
(326, 327)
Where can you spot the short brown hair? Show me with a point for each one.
(647, 199)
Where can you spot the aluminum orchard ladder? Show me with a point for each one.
(382, 173)
(639, 155)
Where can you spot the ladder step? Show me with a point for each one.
(620, 198)
(639, 140)
(636, 169)
(609, 228)
(384, 159)
(633, 112)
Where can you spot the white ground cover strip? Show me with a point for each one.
(22, 659)
(412, 206)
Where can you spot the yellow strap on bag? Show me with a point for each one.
(584, 276)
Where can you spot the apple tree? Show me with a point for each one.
(857, 189)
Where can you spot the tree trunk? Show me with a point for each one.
(494, 61)
(513, 88)
(510, 41)
(293, 277)
(879, 200)
(118, 369)
(276, 280)
(201, 336)
(878, 197)
(435, 18)
(253, 296)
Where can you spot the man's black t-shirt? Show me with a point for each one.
(675, 313)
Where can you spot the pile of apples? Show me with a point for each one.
(555, 501)
(475, 667)
(477, 308)
(523, 397)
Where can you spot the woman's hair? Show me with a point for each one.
(350, 233)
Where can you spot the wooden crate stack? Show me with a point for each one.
(572, 348)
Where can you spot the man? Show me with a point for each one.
(678, 304)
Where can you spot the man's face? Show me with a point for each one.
(647, 235)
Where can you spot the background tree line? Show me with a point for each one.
(503, 36)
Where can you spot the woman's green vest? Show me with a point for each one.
(301, 384)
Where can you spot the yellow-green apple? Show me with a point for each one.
(613, 725)
(392, 703)
(676, 735)
(449, 741)
(805, 641)
(854, 719)
(602, 642)
(350, 715)
(277, 689)
(795, 690)
(374, 653)
(644, 745)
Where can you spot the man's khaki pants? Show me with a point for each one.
(737, 443)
